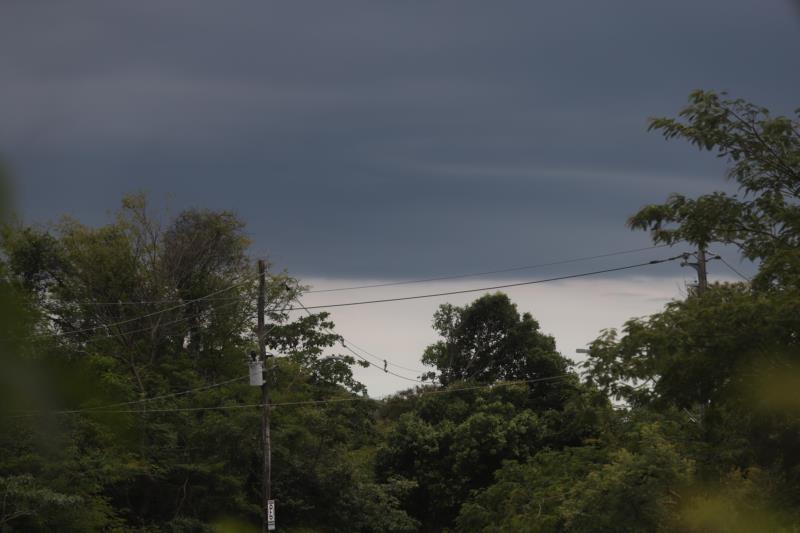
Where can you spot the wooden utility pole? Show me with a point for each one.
(702, 273)
(268, 524)
(700, 267)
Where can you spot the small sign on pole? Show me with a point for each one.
(270, 515)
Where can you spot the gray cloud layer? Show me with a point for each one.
(381, 138)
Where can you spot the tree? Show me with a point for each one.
(451, 444)
(488, 340)
(726, 358)
(763, 221)
(139, 309)
(633, 487)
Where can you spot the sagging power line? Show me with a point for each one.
(493, 287)
(359, 356)
(147, 315)
(308, 402)
(406, 282)
(488, 272)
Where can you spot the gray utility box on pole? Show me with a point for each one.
(256, 374)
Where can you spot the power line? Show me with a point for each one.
(148, 315)
(346, 347)
(175, 394)
(108, 408)
(103, 408)
(377, 358)
(309, 402)
(307, 310)
(184, 319)
(147, 302)
(489, 272)
(508, 285)
(733, 269)
(171, 395)
(499, 384)
(96, 339)
(171, 322)
(407, 282)
(428, 392)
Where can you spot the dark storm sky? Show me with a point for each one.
(381, 138)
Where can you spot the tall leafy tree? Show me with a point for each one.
(763, 220)
(726, 357)
(490, 340)
(450, 445)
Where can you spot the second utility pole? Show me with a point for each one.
(269, 523)
(700, 266)
(702, 272)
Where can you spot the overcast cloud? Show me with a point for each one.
(380, 138)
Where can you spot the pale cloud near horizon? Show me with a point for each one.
(573, 311)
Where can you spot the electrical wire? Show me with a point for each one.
(176, 321)
(408, 282)
(346, 347)
(480, 289)
(102, 408)
(146, 302)
(148, 315)
(499, 384)
(489, 272)
(377, 358)
(171, 395)
(309, 402)
(344, 343)
(733, 269)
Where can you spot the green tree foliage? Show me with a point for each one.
(764, 152)
(134, 310)
(696, 350)
(590, 488)
(727, 357)
(451, 444)
(489, 340)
